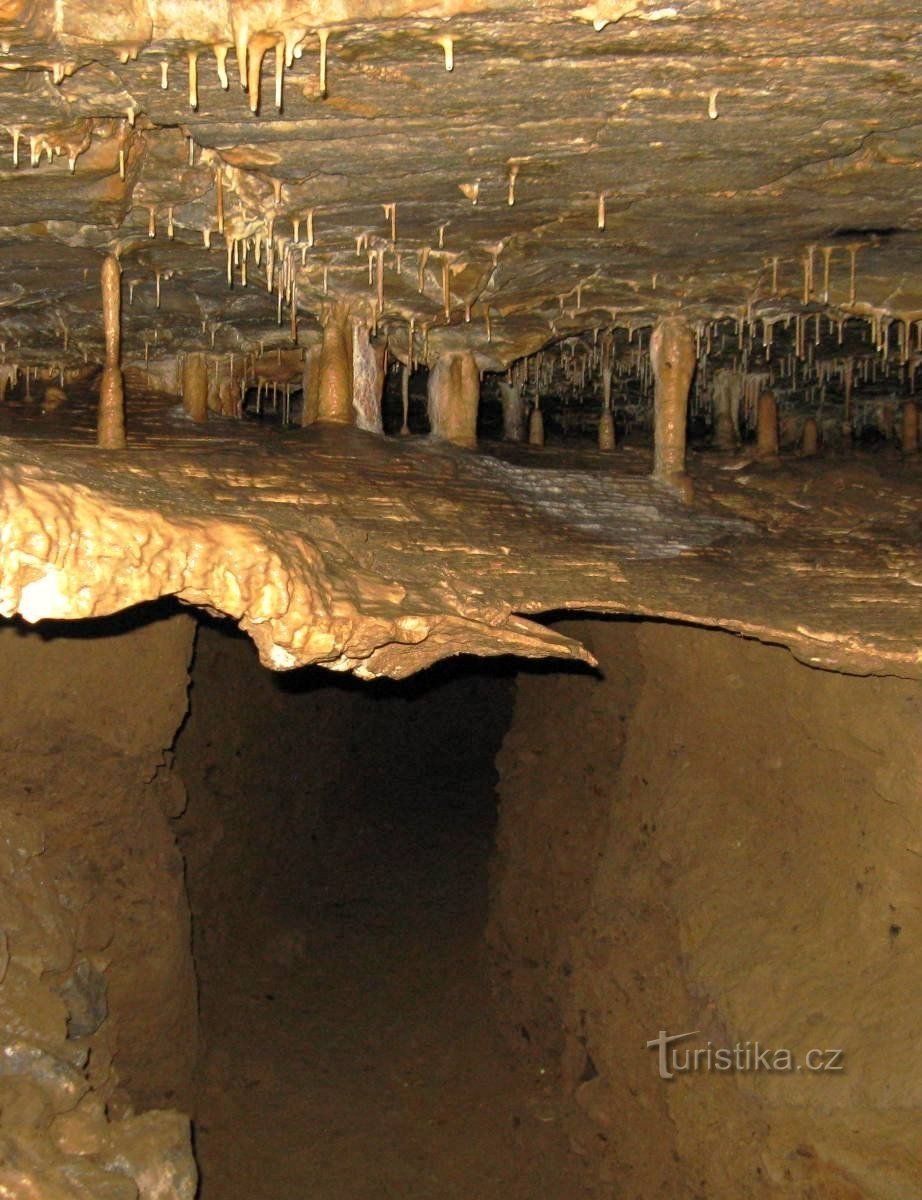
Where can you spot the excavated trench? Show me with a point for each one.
(412, 939)
(337, 839)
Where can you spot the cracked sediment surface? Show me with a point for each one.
(381, 556)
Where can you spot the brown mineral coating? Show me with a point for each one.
(910, 427)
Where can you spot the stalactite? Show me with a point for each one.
(279, 73)
(220, 53)
(513, 176)
(324, 35)
(448, 48)
(379, 272)
(193, 78)
(446, 288)
(219, 199)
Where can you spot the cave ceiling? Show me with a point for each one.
(743, 158)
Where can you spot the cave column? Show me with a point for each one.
(672, 356)
(367, 379)
(335, 400)
(454, 398)
(110, 429)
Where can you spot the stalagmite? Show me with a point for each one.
(726, 396)
(310, 383)
(909, 440)
(600, 215)
(195, 387)
(536, 426)
(672, 358)
(513, 411)
(606, 417)
(454, 398)
(336, 370)
(767, 427)
(809, 442)
(367, 379)
(110, 429)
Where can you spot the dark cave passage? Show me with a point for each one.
(337, 841)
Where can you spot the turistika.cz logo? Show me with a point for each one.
(681, 1059)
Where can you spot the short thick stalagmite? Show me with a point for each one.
(110, 431)
(454, 398)
(367, 379)
(672, 355)
(195, 387)
(767, 430)
(336, 370)
(810, 438)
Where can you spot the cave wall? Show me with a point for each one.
(97, 989)
(711, 837)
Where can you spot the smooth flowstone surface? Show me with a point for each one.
(382, 556)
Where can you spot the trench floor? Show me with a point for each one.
(354, 1054)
